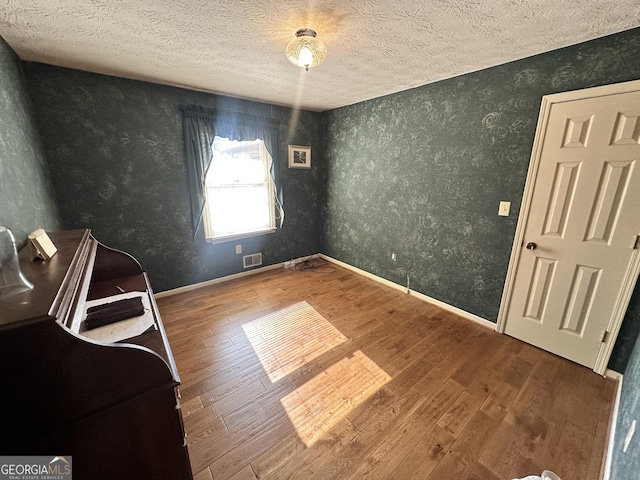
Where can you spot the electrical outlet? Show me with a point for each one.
(238, 249)
(393, 257)
(627, 440)
(504, 208)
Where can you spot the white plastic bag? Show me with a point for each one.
(546, 475)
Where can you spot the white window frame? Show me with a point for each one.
(208, 230)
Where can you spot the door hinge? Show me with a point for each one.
(636, 243)
(603, 336)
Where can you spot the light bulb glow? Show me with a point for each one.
(305, 57)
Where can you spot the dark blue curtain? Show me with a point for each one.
(200, 127)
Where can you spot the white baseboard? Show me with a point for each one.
(613, 375)
(456, 310)
(364, 273)
(292, 263)
(614, 421)
(421, 296)
(215, 281)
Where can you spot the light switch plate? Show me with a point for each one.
(504, 208)
(238, 249)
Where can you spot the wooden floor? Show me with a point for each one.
(317, 375)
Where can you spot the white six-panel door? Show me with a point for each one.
(578, 243)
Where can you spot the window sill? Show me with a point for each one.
(239, 236)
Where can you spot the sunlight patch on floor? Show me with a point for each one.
(323, 401)
(290, 338)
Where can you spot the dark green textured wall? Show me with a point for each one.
(116, 154)
(421, 173)
(627, 360)
(26, 194)
(626, 465)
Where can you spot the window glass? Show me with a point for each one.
(239, 190)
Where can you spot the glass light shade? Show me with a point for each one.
(306, 50)
(12, 281)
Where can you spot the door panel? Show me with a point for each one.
(539, 290)
(561, 196)
(609, 200)
(584, 216)
(580, 301)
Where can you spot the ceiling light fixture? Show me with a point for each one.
(306, 50)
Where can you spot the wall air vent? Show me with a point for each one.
(252, 260)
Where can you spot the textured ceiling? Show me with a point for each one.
(236, 47)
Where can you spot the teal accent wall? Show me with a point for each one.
(627, 361)
(27, 201)
(628, 335)
(116, 153)
(421, 173)
(626, 465)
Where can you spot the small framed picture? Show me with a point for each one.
(299, 157)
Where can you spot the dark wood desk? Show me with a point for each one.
(113, 406)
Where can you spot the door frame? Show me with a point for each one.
(633, 270)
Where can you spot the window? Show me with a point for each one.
(239, 191)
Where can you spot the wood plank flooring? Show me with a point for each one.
(329, 375)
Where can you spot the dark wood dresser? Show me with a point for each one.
(111, 404)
